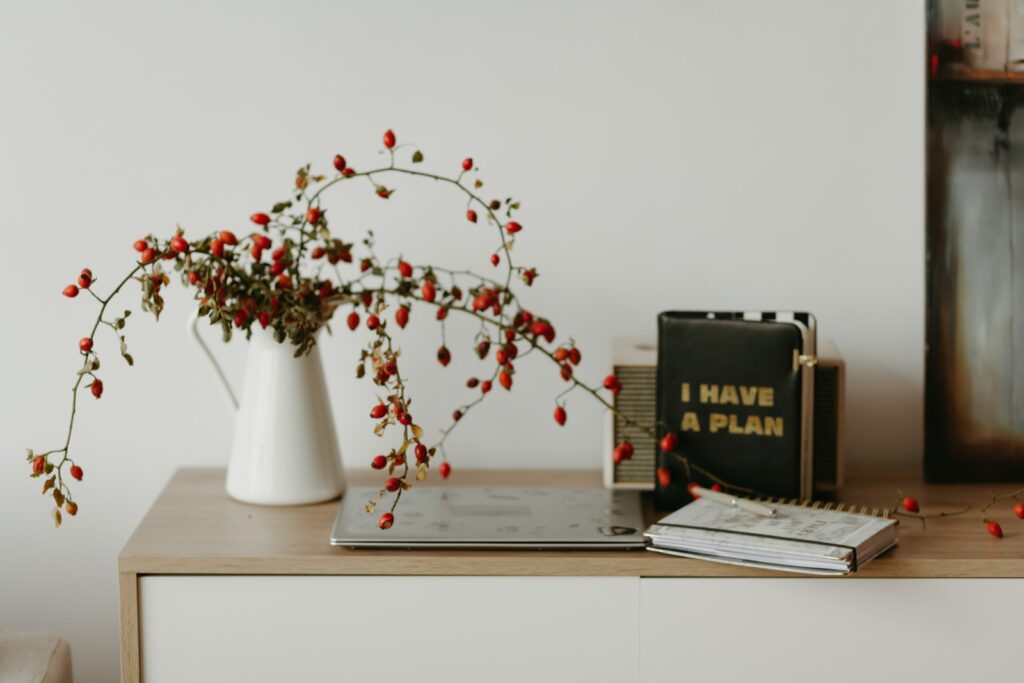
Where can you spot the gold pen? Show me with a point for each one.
(741, 503)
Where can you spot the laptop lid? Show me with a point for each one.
(471, 517)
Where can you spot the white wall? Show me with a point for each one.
(669, 155)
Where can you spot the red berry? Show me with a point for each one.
(76, 472)
(317, 253)
(261, 241)
(71, 508)
(313, 216)
(256, 252)
(542, 328)
(386, 520)
(217, 247)
(456, 415)
(38, 464)
(405, 419)
(228, 238)
(96, 388)
(240, 319)
(366, 298)
(995, 529)
(393, 484)
(909, 504)
(85, 344)
(560, 415)
(148, 255)
(260, 218)
(566, 372)
(442, 313)
(428, 291)
(485, 386)
(611, 382)
(193, 277)
(624, 451)
(664, 477)
(140, 246)
(561, 354)
(716, 487)
(379, 462)
(467, 164)
(402, 316)
(353, 320)
(472, 382)
(575, 356)
(179, 244)
(1018, 510)
(444, 356)
(389, 138)
(446, 470)
(512, 227)
(505, 379)
(348, 172)
(482, 349)
(373, 322)
(85, 278)
(471, 216)
(71, 291)
(378, 411)
(421, 453)
(404, 269)
(669, 442)
(339, 162)
(495, 260)
(264, 318)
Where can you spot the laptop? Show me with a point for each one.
(469, 517)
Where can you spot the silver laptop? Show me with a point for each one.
(450, 517)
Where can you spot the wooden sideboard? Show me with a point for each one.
(212, 589)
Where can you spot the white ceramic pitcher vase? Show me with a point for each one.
(285, 449)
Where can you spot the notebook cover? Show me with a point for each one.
(731, 392)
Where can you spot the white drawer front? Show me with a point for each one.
(834, 630)
(361, 628)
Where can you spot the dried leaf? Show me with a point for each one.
(417, 157)
(56, 517)
(417, 431)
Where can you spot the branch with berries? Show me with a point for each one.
(310, 274)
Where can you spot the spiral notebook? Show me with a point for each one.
(811, 540)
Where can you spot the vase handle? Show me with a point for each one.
(193, 328)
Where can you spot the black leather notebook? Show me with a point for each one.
(736, 393)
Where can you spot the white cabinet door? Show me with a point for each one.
(381, 629)
(831, 630)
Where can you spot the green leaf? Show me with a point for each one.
(417, 157)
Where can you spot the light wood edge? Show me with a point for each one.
(504, 565)
(128, 583)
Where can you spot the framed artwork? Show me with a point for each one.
(974, 368)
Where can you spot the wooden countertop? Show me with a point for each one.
(194, 528)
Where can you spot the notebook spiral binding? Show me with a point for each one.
(884, 513)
